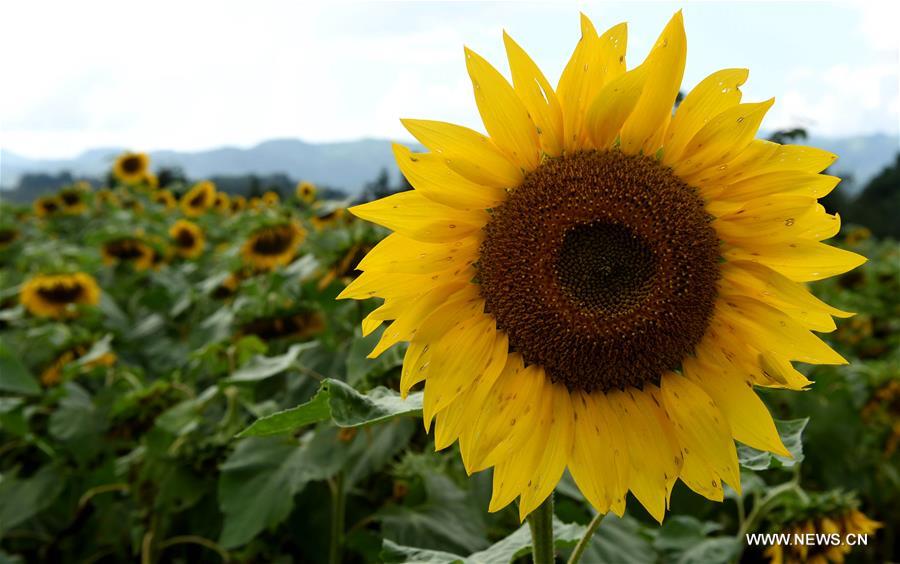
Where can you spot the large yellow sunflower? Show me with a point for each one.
(128, 250)
(306, 191)
(599, 283)
(271, 246)
(57, 295)
(198, 199)
(187, 238)
(131, 168)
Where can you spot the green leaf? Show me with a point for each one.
(791, 433)
(681, 532)
(505, 551)
(620, 541)
(717, 550)
(21, 499)
(76, 417)
(262, 367)
(342, 404)
(14, 376)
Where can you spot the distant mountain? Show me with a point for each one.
(349, 165)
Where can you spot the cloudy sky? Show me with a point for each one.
(196, 75)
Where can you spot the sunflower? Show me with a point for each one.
(228, 287)
(72, 201)
(306, 191)
(131, 168)
(254, 203)
(344, 269)
(151, 180)
(52, 373)
(271, 198)
(106, 197)
(271, 246)
(164, 198)
(130, 250)
(8, 236)
(198, 199)
(238, 203)
(598, 284)
(222, 203)
(46, 206)
(293, 326)
(187, 238)
(850, 522)
(324, 220)
(57, 295)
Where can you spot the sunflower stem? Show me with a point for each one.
(540, 521)
(588, 535)
(338, 505)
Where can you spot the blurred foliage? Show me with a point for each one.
(205, 411)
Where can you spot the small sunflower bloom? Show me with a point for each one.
(324, 220)
(52, 374)
(106, 197)
(599, 283)
(165, 198)
(58, 295)
(272, 246)
(306, 192)
(238, 203)
(47, 206)
(128, 250)
(271, 198)
(8, 236)
(131, 168)
(187, 238)
(222, 203)
(198, 199)
(72, 200)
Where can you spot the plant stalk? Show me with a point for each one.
(540, 521)
(586, 539)
(338, 506)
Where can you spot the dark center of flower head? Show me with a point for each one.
(61, 293)
(198, 200)
(185, 239)
(7, 235)
(602, 268)
(131, 164)
(125, 249)
(273, 240)
(49, 206)
(70, 197)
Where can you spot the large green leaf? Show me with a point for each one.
(620, 541)
(342, 404)
(791, 433)
(23, 498)
(262, 367)
(14, 376)
(76, 417)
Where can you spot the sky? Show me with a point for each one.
(198, 75)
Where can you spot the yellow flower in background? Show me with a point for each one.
(271, 198)
(131, 168)
(128, 250)
(345, 269)
(187, 238)
(254, 203)
(164, 198)
(151, 180)
(72, 201)
(46, 206)
(8, 236)
(294, 326)
(51, 375)
(327, 219)
(857, 236)
(57, 295)
(306, 191)
(222, 202)
(849, 522)
(637, 274)
(198, 199)
(106, 197)
(271, 246)
(238, 203)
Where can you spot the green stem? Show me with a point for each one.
(540, 521)
(338, 505)
(588, 534)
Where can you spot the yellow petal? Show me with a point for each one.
(467, 152)
(419, 218)
(704, 436)
(665, 68)
(555, 452)
(399, 254)
(781, 182)
(770, 219)
(503, 113)
(405, 325)
(747, 415)
(538, 96)
(801, 260)
(722, 138)
(595, 61)
(461, 353)
(389, 285)
(612, 106)
(715, 94)
(768, 329)
(429, 175)
(744, 165)
(415, 364)
(457, 308)
(780, 370)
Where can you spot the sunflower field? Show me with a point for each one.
(179, 384)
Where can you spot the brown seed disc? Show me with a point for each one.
(602, 268)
